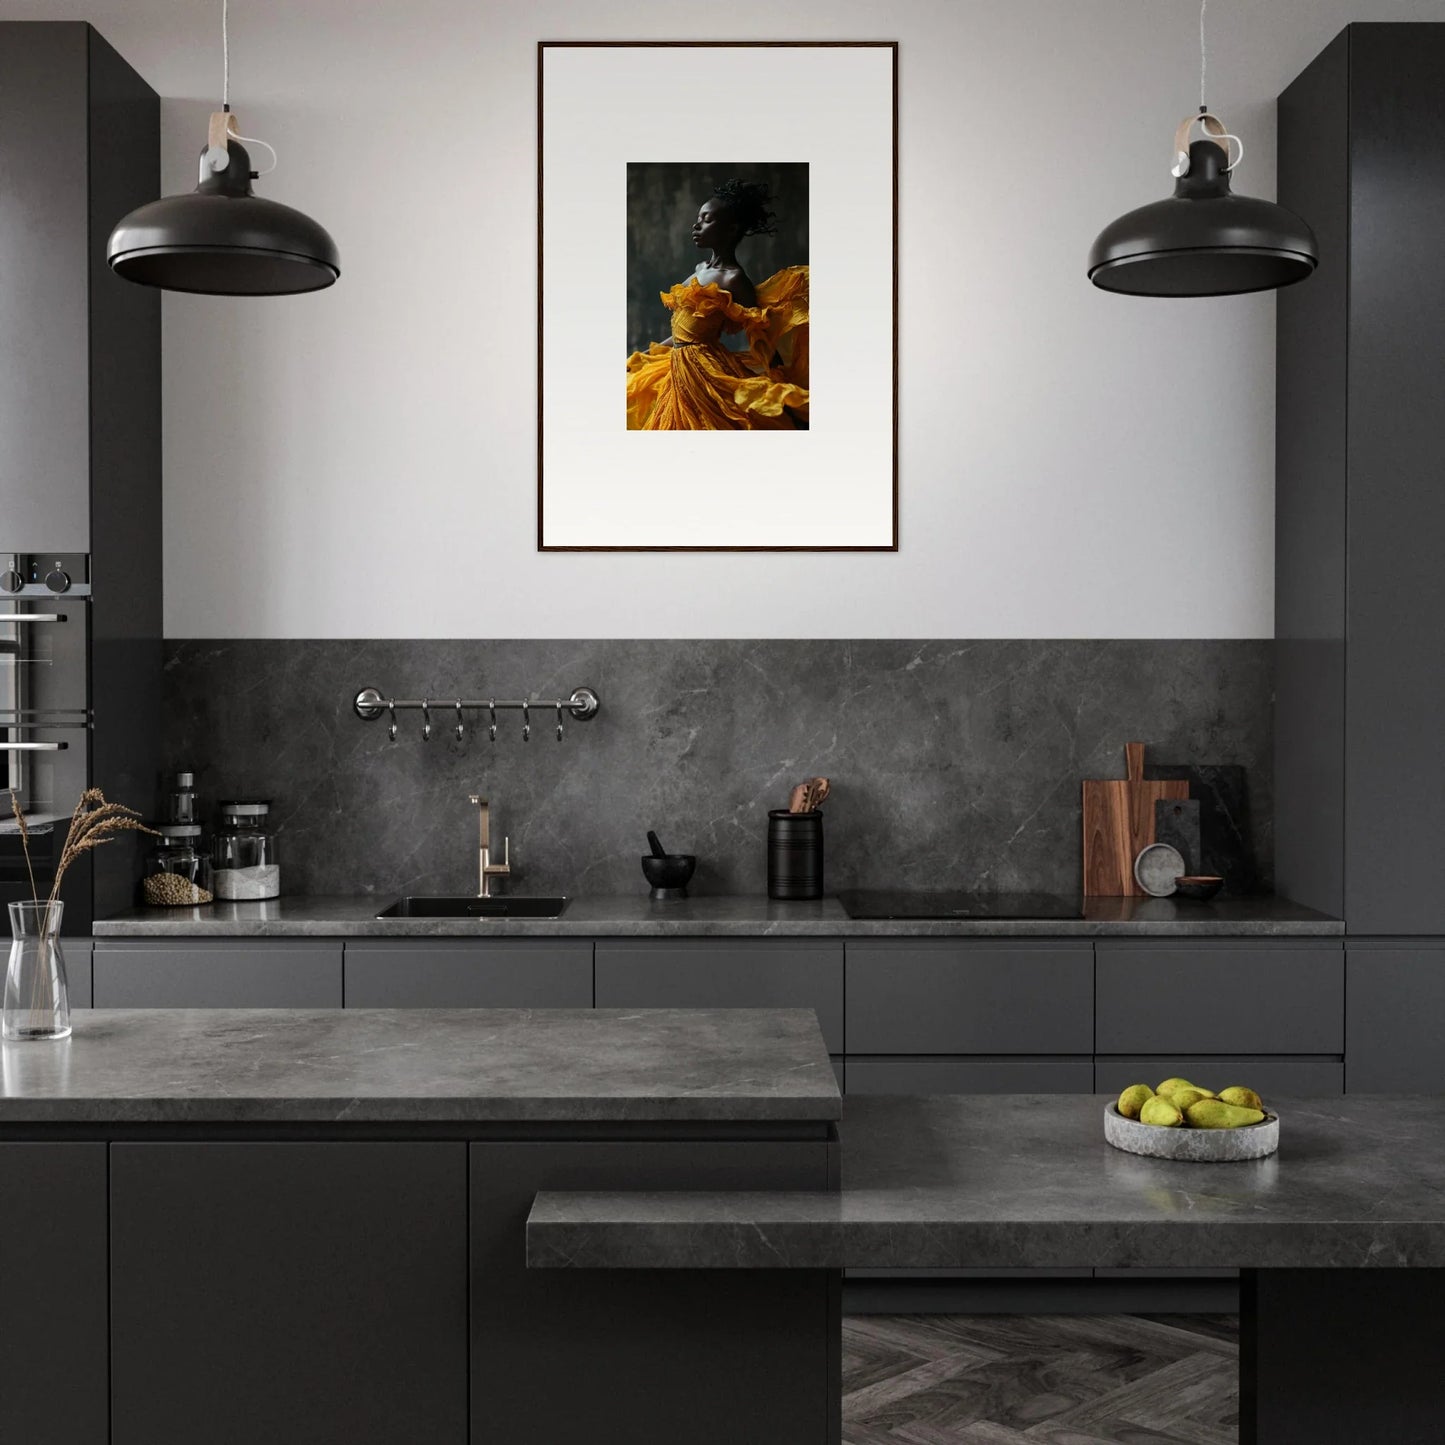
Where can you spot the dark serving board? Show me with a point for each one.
(1225, 836)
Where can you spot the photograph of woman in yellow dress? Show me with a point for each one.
(736, 358)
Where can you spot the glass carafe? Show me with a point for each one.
(37, 1000)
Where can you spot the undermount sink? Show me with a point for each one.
(463, 907)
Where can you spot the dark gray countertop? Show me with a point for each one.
(1027, 1181)
(356, 1066)
(719, 916)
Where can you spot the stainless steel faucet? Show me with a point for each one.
(486, 869)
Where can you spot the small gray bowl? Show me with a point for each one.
(1193, 1146)
(1156, 869)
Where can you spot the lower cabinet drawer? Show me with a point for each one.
(1300, 1077)
(689, 973)
(970, 1076)
(948, 997)
(1213, 998)
(224, 973)
(290, 1292)
(458, 973)
(1397, 1018)
(77, 953)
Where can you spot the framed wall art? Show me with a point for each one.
(717, 296)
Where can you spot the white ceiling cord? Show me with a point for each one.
(220, 161)
(1203, 55)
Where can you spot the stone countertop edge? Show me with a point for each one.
(330, 1067)
(1028, 1181)
(719, 916)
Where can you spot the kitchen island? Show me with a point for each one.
(1341, 1234)
(309, 1226)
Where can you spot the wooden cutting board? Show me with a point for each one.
(1119, 822)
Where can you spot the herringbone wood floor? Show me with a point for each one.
(1040, 1380)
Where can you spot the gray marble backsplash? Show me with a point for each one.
(953, 764)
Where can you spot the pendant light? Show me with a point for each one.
(1203, 240)
(222, 239)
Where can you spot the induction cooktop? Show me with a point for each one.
(898, 903)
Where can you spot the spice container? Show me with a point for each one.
(244, 853)
(178, 869)
(178, 798)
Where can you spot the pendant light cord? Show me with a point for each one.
(1203, 56)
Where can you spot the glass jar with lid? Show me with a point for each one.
(244, 855)
(178, 868)
(178, 798)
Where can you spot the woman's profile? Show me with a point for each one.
(737, 356)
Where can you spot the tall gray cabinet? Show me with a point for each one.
(1360, 528)
(80, 446)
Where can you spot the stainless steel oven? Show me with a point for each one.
(45, 713)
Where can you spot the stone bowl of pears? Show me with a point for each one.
(1180, 1120)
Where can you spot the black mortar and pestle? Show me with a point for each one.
(667, 872)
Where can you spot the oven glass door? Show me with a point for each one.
(44, 731)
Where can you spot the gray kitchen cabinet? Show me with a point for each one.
(1271, 1076)
(319, 1287)
(1360, 512)
(53, 1264)
(1396, 1017)
(80, 399)
(970, 1076)
(701, 973)
(1218, 997)
(746, 1369)
(462, 973)
(77, 953)
(952, 996)
(217, 973)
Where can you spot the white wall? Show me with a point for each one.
(360, 462)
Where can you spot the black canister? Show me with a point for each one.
(795, 854)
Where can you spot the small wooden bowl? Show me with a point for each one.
(1199, 886)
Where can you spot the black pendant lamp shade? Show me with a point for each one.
(1203, 240)
(222, 239)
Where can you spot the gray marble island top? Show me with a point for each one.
(1027, 1181)
(738, 916)
(422, 1066)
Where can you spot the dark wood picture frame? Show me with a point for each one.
(542, 47)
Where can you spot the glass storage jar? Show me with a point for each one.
(246, 865)
(178, 868)
(178, 798)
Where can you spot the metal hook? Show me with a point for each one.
(426, 719)
(492, 731)
(559, 722)
(526, 722)
(461, 726)
(391, 708)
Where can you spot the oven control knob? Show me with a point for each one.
(58, 581)
(11, 580)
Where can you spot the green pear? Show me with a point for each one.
(1160, 1111)
(1244, 1098)
(1133, 1099)
(1215, 1114)
(1183, 1098)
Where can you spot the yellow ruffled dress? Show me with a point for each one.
(699, 384)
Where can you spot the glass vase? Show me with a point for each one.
(37, 1000)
